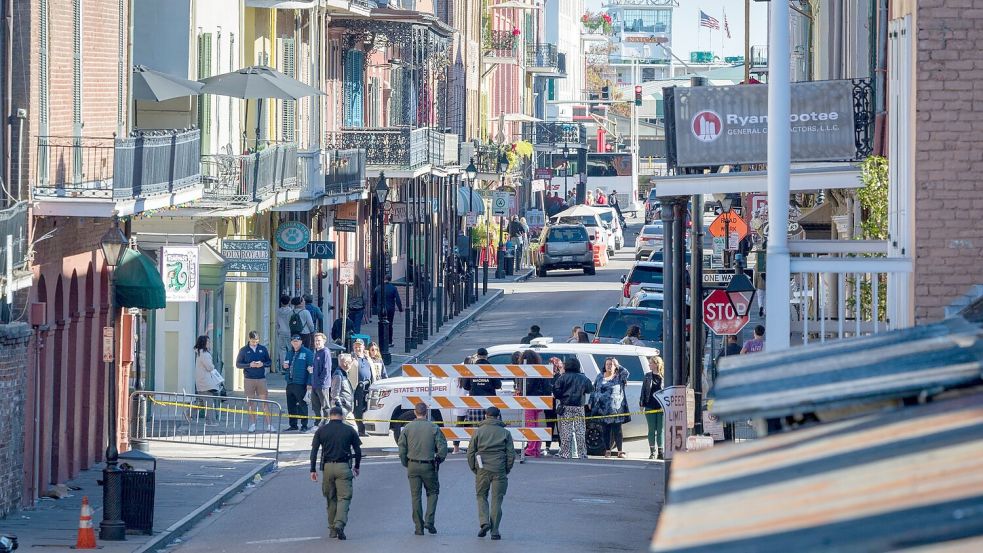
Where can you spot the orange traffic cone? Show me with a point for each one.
(87, 537)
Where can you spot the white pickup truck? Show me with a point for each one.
(386, 396)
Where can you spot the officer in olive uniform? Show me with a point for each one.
(490, 457)
(341, 445)
(422, 447)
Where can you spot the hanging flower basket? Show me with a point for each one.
(597, 22)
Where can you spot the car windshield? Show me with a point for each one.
(616, 324)
(606, 216)
(571, 234)
(643, 274)
(658, 256)
(586, 220)
(650, 303)
(652, 230)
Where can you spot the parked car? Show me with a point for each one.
(616, 321)
(647, 298)
(658, 256)
(609, 216)
(564, 247)
(650, 240)
(387, 396)
(599, 234)
(643, 275)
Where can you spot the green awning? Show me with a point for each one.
(138, 282)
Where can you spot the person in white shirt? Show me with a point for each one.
(208, 381)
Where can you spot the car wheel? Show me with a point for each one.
(595, 438)
(397, 427)
(589, 270)
(541, 272)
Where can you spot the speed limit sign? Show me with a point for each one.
(673, 401)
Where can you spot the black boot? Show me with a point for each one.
(651, 452)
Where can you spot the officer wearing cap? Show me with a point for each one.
(341, 446)
(422, 447)
(491, 456)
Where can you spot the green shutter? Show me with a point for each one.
(205, 100)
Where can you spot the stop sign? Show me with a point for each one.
(719, 315)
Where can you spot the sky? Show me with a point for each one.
(688, 36)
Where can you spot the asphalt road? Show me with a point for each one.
(552, 505)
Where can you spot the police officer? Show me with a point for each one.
(422, 447)
(490, 457)
(338, 442)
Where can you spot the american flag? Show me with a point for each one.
(709, 22)
(726, 25)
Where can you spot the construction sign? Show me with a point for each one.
(727, 223)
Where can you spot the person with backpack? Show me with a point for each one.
(283, 313)
(316, 314)
(301, 323)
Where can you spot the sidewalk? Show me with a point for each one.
(191, 482)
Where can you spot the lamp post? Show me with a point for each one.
(740, 291)
(725, 207)
(471, 172)
(381, 192)
(112, 527)
(503, 166)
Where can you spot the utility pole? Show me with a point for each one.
(747, 41)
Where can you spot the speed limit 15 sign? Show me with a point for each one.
(673, 400)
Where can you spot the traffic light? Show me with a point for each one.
(605, 92)
(638, 95)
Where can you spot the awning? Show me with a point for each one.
(138, 282)
(476, 203)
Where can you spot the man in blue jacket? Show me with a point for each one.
(390, 302)
(298, 365)
(254, 360)
(321, 379)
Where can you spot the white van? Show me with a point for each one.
(386, 396)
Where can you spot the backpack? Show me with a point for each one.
(296, 323)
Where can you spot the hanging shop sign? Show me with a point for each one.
(246, 256)
(292, 236)
(345, 225)
(397, 212)
(727, 125)
(179, 267)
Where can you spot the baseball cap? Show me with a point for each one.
(295, 337)
(493, 412)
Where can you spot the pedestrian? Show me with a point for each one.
(298, 367)
(336, 332)
(589, 199)
(342, 393)
(652, 384)
(533, 333)
(756, 343)
(390, 303)
(731, 347)
(254, 360)
(364, 377)
(422, 448)
(461, 415)
(208, 381)
(571, 390)
(378, 363)
(356, 307)
(610, 399)
(524, 247)
(316, 315)
(490, 457)
(481, 386)
(517, 233)
(534, 387)
(616, 204)
(283, 329)
(321, 379)
(633, 337)
(759, 281)
(550, 414)
(583, 338)
(600, 198)
(340, 446)
(574, 335)
(301, 322)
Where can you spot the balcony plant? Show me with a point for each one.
(597, 22)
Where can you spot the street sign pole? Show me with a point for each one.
(696, 339)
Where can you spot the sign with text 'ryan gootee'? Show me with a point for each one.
(723, 125)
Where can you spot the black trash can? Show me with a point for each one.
(509, 264)
(139, 490)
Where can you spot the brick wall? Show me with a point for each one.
(14, 340)
(949, 154)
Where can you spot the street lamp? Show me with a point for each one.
(740, 291)
(725, 207)
(381, 192)
(471, 173)
(503, 166)
(112, 527)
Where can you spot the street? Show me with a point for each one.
(548, 500)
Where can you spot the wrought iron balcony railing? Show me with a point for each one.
(542, 58)
(240, 179)
(144, 164)
(13, 223)
(485, 157)
(554, 133)
(500, 43)
(345, 172)
(443, 148)
(396, 147)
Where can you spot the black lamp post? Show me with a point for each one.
(740, 291)
(503, 166)
(112, 527)
(471, 173)
(725, 207)
(381, 192)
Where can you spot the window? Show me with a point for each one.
(631, 362)
(615, 324)
(648, 21)
(586, 220)
(652, 230)
(646, 274)
(608, 165)
(567, 235)
(651, 303)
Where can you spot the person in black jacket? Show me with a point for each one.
(571, 390)
(650, 385)
(533, 333)
(480, 386)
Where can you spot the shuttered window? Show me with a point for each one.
(205, 100)
(288, 65)
(353, 88)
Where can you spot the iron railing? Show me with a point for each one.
(443, 148)
(231, 178)
(551, 133)
(398, 147)
(13, 223)
(345, 172)
(542, 56)
(206, 420)
(73, 166)
(500, 43)
(486, 157)
(156, 162)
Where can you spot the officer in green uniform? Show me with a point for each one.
(422, 447)
(340, 445)
(490, 456)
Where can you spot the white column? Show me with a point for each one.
(779, 161)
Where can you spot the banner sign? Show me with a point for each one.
(246, 256)
(179, 267)
(726, 125)
(345, 225)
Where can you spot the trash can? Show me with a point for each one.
(509, 264)
(139, 488)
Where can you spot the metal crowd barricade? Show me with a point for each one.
(206, 420)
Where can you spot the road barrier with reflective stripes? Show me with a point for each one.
(518, 434)
(444, 401)
(478, 371)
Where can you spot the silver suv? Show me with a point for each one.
(564, 247)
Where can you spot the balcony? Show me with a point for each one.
(554, 135)
(344, 176)
(443, 149)
(102, 176)
(232, 180)
(544, 60)
(500, 47)
(400, 151)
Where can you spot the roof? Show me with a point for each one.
(891, 365)
(893, 480)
